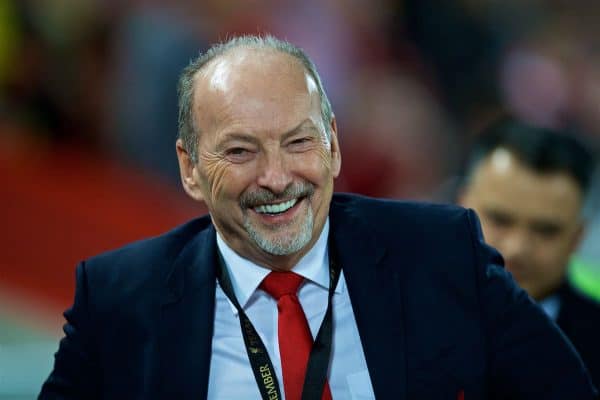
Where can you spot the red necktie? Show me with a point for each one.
(295, 339)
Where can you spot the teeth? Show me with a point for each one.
(275, 208)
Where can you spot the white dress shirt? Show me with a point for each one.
(231, 375)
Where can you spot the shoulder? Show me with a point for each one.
(385, 215)
(579, 318)
(579, 306)
(429, 237)
(143, 263)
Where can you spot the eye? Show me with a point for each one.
(499, 219)
(236, 151)
(300, 140)
(238, 154)
(300, 143)
(546, 230)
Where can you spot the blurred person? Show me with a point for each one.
(549, 76)
(461, 51)
(406, 130)
(53, 89)
(528, 184)
(286, 289)
(28, 105)
(152, 42)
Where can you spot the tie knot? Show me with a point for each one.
(278, 284)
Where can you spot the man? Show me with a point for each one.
(403, 301)
(528, 185)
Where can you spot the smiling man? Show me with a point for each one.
(268, 158)
(288, 291)
(529, 184)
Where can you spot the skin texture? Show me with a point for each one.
(533, 219)
(261, 141)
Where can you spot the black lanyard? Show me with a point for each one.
(318, 362)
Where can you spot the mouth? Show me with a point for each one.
(277, 208)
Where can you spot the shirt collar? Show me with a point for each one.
(551, 306)
(246, 276)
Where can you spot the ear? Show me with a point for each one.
(188, 170)
(336, 155)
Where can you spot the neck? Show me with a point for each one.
(275, 262)
(251, 251)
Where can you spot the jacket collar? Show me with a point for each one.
(187, 314)
(375, 294)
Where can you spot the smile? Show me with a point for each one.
(276, 208)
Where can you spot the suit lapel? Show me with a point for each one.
(376, 300)
(187, 320)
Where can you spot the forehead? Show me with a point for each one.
(249, 86)
(503, 182)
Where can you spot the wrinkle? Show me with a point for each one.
(215, 166)
(324, 154)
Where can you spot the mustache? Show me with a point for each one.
(263, 196)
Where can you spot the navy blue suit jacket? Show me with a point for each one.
(579, 319)
(436, 312)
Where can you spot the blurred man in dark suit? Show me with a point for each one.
(529, 185)
(287, 289)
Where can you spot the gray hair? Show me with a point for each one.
(188, 132)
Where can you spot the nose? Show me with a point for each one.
(515, 247)
(274, 173)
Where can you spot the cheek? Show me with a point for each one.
(216, 171)
(547, 257)
(491, 234)
(554, 251)
(316, 169)
(314, 165)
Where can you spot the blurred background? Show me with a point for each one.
(88, 119)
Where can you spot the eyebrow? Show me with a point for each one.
(244, 137)
(494, 212)
(306, 124)
(547, 224)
